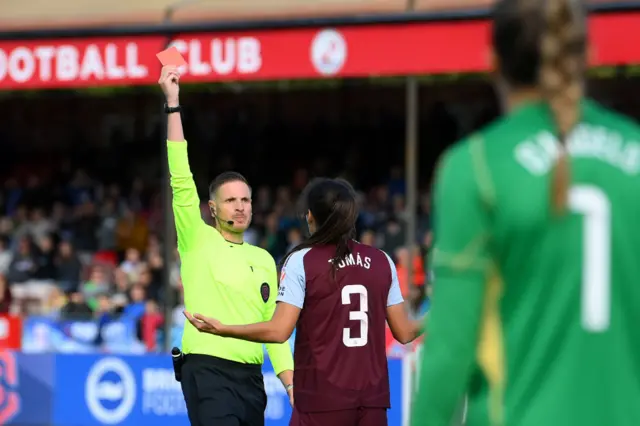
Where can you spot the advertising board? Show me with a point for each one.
(49, 335)
(372, 50)
(126, 390)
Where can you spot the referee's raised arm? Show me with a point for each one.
(186, 203)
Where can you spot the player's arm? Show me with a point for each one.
(280, 327)
(404, 329)
(460, 263)
(279, 353)
(186, 203)
(277, 330)
(290, 300)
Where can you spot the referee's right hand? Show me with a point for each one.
(169, 82)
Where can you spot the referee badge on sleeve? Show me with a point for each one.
(265, 291)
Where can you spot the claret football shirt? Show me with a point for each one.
(340, 350)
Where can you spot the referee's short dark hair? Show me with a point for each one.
(223, 178)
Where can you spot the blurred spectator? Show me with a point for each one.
(294, 237)
(274, 241)
(85, 229)
(177, 321)
(174, 271)
(145, 280)
(62, 220)
(45, 259)
(39, 226)
(96, 286)
(76, 307)
(13, 193)
(5, 295)
(108, 224)
(5, 255)
(252, 236)
(23, 266)
(154, 245)
(137, 197)
(120, 297)
(68, 267)
(55, 303)
(151, 324)
(136, 306)
(21, 226)
(131, 231)
(103, 314)
(132, 264)
(393, 236)
(81, 189)
(368, 237)
(406, 259)
(396, 182)
(155, 271)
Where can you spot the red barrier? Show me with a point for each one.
(353, 51)
(10, 332)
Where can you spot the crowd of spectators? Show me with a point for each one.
(81, 248)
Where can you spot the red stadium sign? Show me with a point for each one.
(10, 332)
(356, 51)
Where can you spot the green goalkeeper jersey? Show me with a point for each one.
(535, 316)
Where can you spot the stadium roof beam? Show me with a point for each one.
(158, 24)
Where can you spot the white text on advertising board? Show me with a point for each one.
(70, 63)
(240, 55)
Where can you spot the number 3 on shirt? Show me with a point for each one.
(359, 315)
(593, 204)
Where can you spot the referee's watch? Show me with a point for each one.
(171, 110)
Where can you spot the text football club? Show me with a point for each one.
(348, 51)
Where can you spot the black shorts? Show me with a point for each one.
(223, 393)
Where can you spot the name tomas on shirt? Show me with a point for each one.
(354, 260)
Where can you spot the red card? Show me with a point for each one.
(171, 56)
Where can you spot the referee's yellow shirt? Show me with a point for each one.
(223, 280)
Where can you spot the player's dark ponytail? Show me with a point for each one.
(332, 202)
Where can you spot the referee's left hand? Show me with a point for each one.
(204, 324)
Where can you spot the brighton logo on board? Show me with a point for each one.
(110, 391)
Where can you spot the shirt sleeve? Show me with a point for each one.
(186, 203)
(279, 353)
(293, 280)
(460, 263)
(395, 295)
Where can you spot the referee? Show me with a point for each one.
(225, 278)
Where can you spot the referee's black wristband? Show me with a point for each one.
(171, 110)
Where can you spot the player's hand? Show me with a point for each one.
(290, 394)
(170, 83)
(204, 324)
